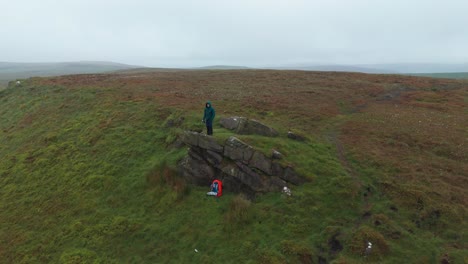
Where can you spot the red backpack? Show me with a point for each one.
(220, 187)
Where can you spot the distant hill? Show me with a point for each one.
(334, 68)
(420, 67)
(400, 68)
(449, 75)
(223, 67)
(13, 70)
(455, 71)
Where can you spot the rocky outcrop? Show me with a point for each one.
(237, 164)
(202, 141)
(259, 161)
(237, 150)
(245, 126)
(276, 154)
(296, 136)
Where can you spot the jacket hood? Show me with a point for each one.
(208, 102)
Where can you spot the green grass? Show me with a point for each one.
(89, 177)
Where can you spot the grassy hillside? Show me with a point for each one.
(88, 169)
(10, 71)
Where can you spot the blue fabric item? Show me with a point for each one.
(209, 129)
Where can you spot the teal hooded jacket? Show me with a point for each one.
(209, 114)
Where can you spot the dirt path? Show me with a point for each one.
(333, 136)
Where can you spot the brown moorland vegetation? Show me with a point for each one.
(403, 139)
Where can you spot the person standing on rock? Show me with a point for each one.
(208, 117)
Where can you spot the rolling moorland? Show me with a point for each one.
(88, 169)
(10, 71)
(442, 70)
(449, 75)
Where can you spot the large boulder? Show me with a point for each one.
(237, 150)
(242, 125)
(276, 154)
(231, 123)
(296, 136)
(255, 127)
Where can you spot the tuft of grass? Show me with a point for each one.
(303, 252)
(76, 256)
(365, 234)
(239, 213)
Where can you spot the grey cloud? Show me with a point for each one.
(252, 33)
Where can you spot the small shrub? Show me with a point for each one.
(269, 257)
(291, 247)
(380, 219)
(343, 260)
(153, 177)
(114, 201)
(431, 219)
(358, 242)
(174, 120)
(181, 188)
(248, 246)
(119, 225)
(239, 211)
(166, 175)
(171, 137)
(79, 256)
(98, 182)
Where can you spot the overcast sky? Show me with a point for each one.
(177, 33)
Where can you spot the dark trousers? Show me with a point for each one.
(209, 129)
